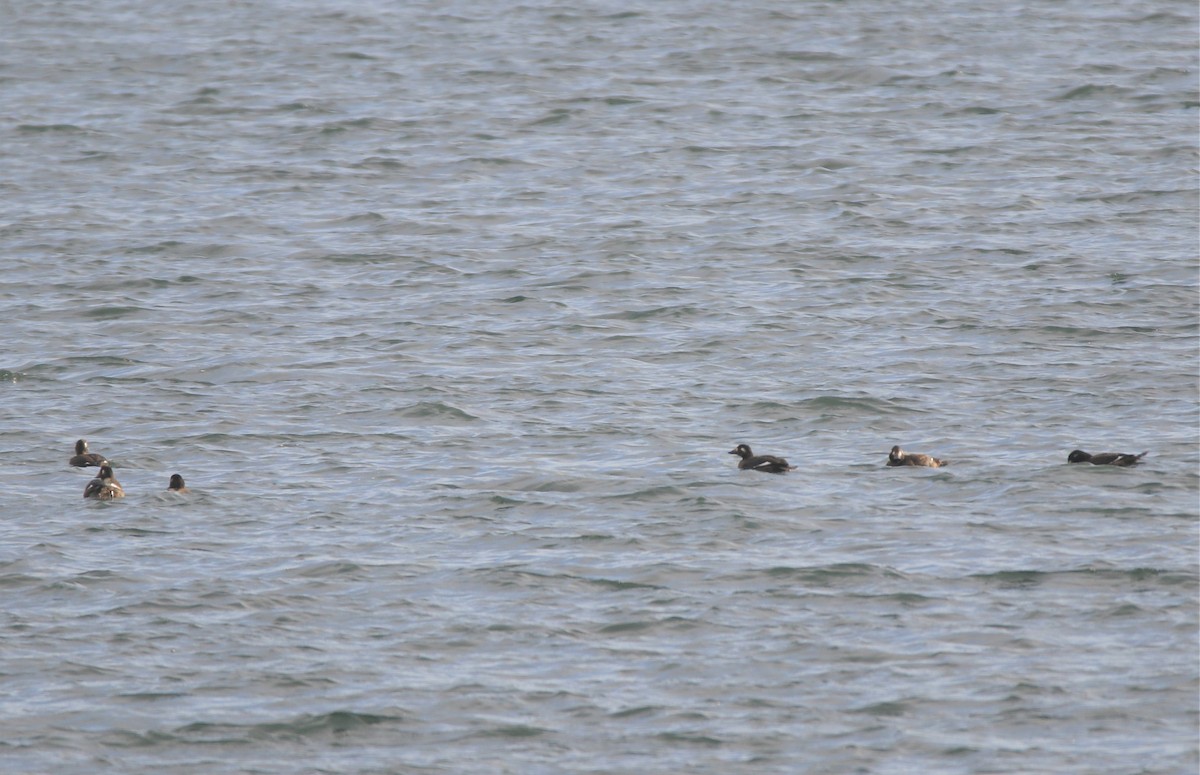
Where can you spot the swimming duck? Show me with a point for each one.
(752, 462)
(83, 458)
(104, 487)
(898, 457)
(1106, 458)
(177, 484)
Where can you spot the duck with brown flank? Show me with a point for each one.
(105, 486)
(766, 463)
(83, 458)
(1106, 458)
(898, 457)
(177, 484)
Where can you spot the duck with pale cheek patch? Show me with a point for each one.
(765, 463)
(104, 487)
(898, 457)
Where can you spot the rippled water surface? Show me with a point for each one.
(449, 313)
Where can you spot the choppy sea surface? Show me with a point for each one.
(449, 313)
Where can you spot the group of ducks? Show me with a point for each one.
(105, 486)
(772, 464)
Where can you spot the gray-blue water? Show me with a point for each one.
(449, 313)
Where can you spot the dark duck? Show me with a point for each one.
(83, 458)
(105, 486)
(176, 484)
(1106, 458)
(766, 463)
(898, 457)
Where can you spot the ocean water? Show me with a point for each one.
(449, 313)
